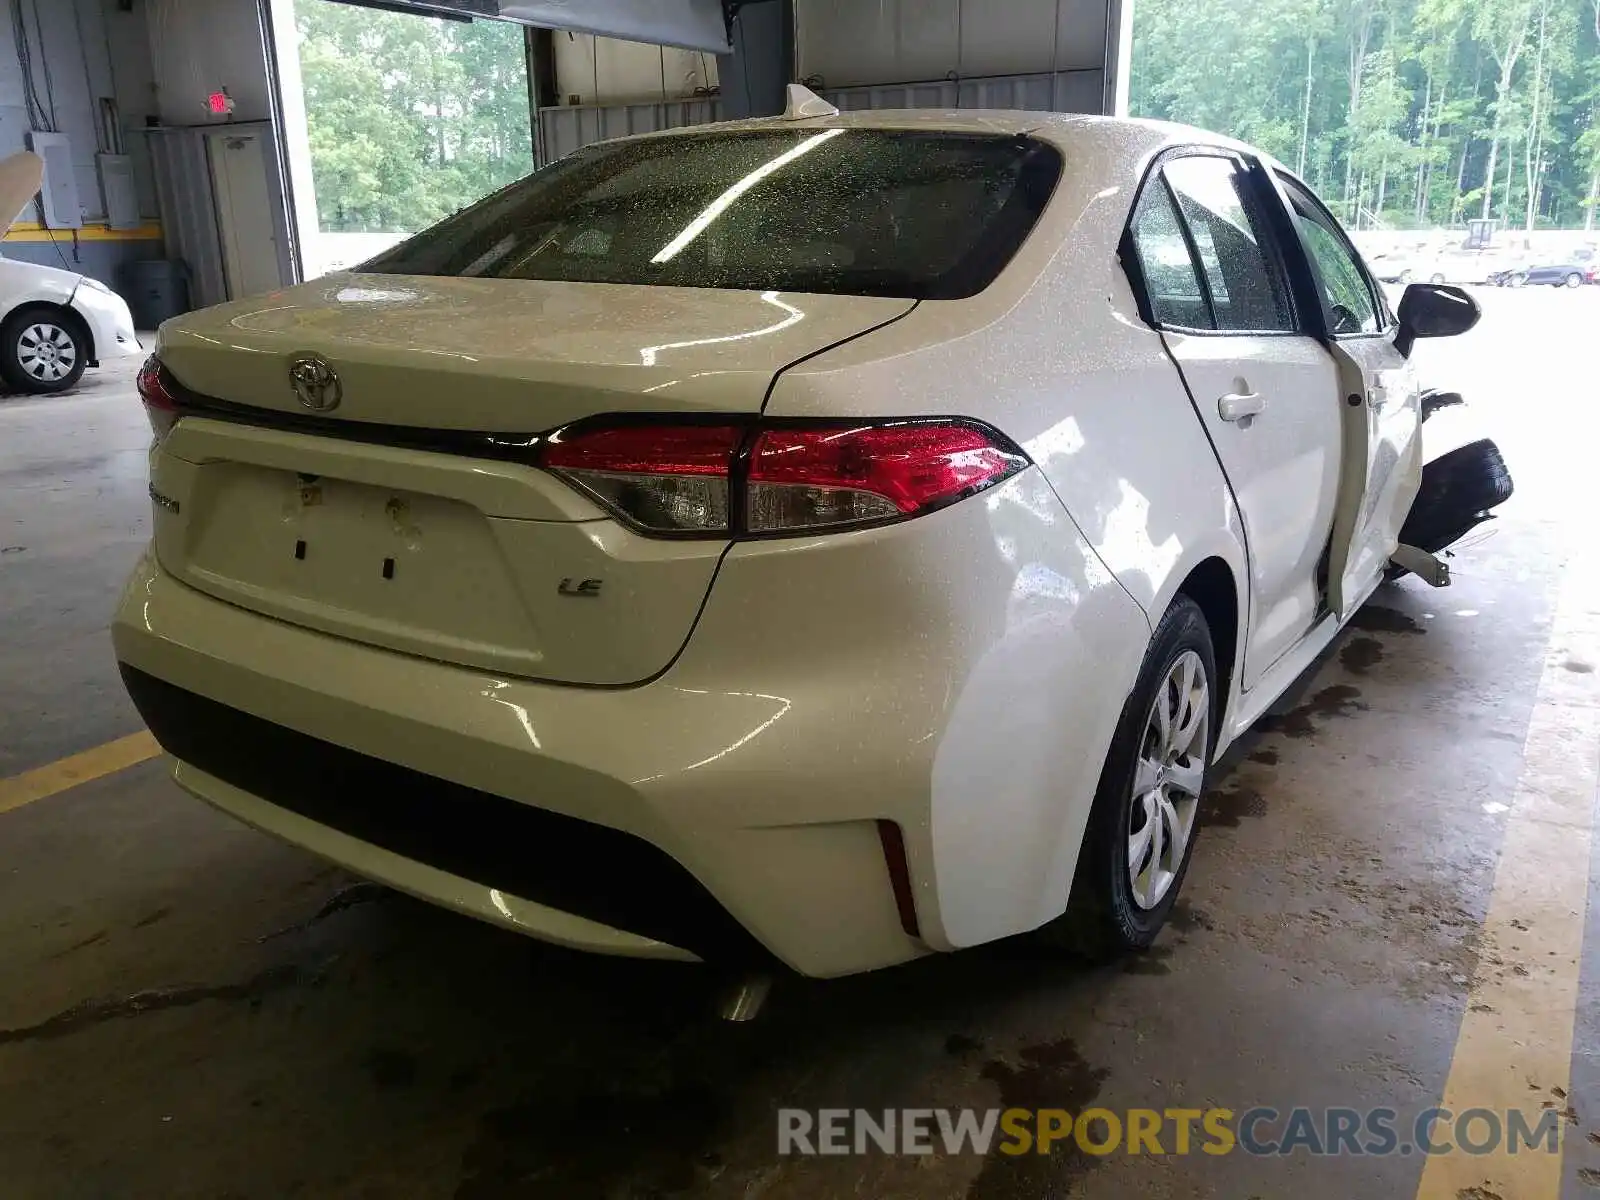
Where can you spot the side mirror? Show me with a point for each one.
(1429, 310)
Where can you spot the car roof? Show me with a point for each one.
(1085, 138)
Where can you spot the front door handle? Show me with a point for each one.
(1237, 406)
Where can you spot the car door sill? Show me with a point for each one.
(1252, 705)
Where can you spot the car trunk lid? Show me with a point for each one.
(351, 523)
(510, 355)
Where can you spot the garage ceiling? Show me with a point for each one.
(692, 24)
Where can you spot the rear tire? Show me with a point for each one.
(1574, 280)
(1436, 278)
(1125, 889)
(43, 349)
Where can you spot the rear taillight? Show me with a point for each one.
(809, 478)
(775, 478)
(662, 478)
(160, 405)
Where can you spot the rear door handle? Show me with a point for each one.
(1236, 406)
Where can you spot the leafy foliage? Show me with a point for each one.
(410, 118)
(1408, 113)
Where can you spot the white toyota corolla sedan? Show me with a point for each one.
(830, 538)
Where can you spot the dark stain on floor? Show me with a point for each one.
(1374, 618)
(1336, 700)
(1185, 917)
(389, 1068)
(1361, 654)
(150, 918)
(959, 1045)
(465, 1078)
(1582, 668)
(1268, 757)
(561, 1146)
(1148, 962)
(1226, 807)
(96, 1012)
(94, 939)
(1053, 1075)
(346, 897)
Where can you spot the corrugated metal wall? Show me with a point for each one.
(189, 210)
(563, 129)
(189, 206)
(1064, 91)
(1036, 55)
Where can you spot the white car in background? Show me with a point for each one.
(1411, 266)
(835, 539)
(53, 322)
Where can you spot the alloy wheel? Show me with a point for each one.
(46, 352)
(1167, 779)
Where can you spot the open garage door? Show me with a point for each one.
(407, 118)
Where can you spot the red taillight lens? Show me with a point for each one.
(682, 478)
(662, 478)
(160, 405)
(806, 478)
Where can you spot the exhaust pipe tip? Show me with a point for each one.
(742, 1000)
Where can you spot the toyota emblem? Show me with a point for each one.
(316, 383)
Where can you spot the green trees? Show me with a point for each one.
(410, 117)
(1408, 113)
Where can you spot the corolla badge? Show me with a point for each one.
(316, 383)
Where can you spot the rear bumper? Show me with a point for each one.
(959, 675)
(465, 790)
(493, 858)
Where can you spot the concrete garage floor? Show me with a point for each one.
(188, 1009)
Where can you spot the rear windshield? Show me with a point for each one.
(863, 212)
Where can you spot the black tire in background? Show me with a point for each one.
(1574, 280)
(43, 349)
(1102, 917)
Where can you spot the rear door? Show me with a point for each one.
(1266, 392)
(1381, 410)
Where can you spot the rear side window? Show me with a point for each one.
(1170, 279)
(850, 211)
(1246, 290)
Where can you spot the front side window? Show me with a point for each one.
(1347, 300)
(1247, 291)
(875, 212)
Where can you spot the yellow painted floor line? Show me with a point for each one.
(79, 768)
(1514, 1050)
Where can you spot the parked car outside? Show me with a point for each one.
(54, 323)
(1564, 273)
(785, 539)
(1417, 266)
